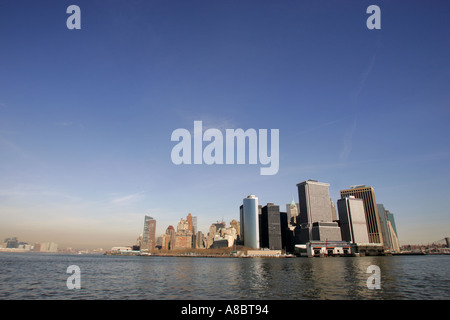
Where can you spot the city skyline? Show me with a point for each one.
(86, 115)
(314, 207)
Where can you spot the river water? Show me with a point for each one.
(37, 276)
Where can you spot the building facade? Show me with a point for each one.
(168, 240)
(367, 194)
(184, 237)
(292, 210)
(316, 215)
(250, 222)
(200, 240)
(149, 234)
(270, 227)
(237, 226)
(389, 230)
(352, 220)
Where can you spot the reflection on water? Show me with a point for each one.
(43, 276)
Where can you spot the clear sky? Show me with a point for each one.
(86, 116)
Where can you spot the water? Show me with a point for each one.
(30, 276)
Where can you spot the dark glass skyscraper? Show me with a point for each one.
(270, 227)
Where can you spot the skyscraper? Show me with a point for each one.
(250, 222)
(389, 230)
(190, 224)
(236, 225)
(367, 194)
(194, 225)
(169, 238)
(353, 220)
(184, 235)
(314, 199)
(270, 227)
(200, 240)
(149, 234)
(316, 217)
(333, 211)
(292, 212)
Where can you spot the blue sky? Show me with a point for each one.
(86, 115)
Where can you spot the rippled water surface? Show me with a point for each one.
(43, 276)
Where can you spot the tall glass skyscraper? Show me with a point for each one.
(250, 222)
(149, 234)
(389, 230)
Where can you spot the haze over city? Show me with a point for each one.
(86, 116)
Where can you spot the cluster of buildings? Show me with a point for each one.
(14, 245)
(312, 227)
(185, 236)
(315, 226)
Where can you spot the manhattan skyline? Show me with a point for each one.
(86, 115)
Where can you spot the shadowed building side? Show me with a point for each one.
(271, 227)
